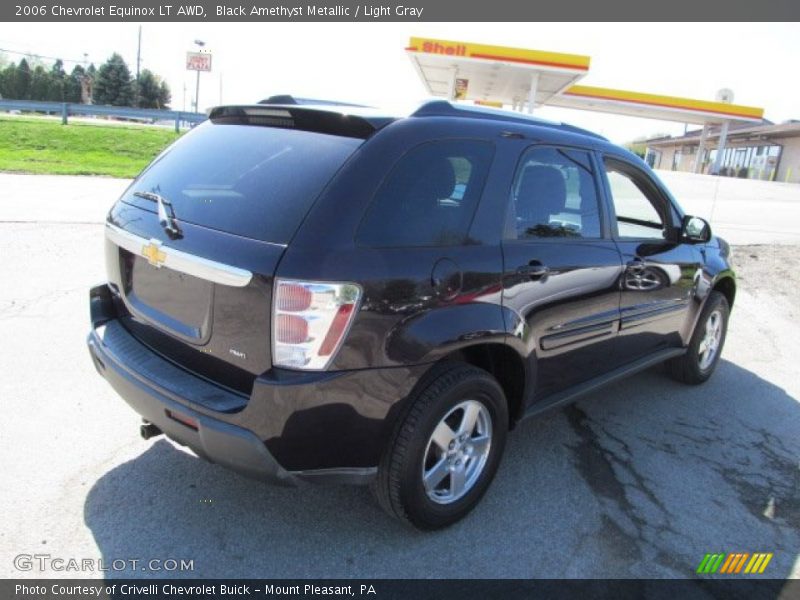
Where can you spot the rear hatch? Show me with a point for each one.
(193, 244)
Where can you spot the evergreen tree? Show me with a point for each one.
(152, 91)
(72, 91)
(58, 82)
(22, 81)
(40, 83)
(57, 69)
(147, 90)
(164, 95)
(112, 85)
(8, 82)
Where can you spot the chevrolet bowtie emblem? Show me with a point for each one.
(152, 252)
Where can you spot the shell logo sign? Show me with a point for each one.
(540, 58)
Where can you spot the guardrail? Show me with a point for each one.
(65, 109)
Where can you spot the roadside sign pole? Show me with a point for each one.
(198, 61)
(197, 93)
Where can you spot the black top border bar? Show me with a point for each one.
(396, 11)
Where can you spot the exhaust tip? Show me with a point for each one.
(148, 430)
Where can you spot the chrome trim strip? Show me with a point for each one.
(176, 260)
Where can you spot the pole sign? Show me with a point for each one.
(198, 61)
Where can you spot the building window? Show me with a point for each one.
(750, 162)
(653, 158)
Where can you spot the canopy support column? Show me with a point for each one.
(723, 137)
(451, 85)
(698, 159)
(533, 90)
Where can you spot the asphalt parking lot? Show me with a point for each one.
(639, 480)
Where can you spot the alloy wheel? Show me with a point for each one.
(709, 345)
(457, 452)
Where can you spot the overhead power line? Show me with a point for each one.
(43, 57)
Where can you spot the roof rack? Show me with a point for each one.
(288, 99)
(443, 108)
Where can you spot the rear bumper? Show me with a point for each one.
(326, 427)
(217, 441)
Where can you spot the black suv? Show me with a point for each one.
(328, 293)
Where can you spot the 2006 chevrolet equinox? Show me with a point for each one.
(324, 292)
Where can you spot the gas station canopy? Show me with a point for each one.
(652, 106)
(494, 73)
(524, 79)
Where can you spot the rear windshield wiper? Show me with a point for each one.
(166, 218)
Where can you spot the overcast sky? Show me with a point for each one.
(365, 62)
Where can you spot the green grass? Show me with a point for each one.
(44, 146)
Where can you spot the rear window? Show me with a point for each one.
(429, 197)
(254, 181)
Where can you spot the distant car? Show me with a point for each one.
(329, 293)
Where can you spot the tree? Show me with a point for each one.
(164, 95)
(8, 82)
(58, 82)
(22, 81)
(40, 83)
(147, 90)
(152, 91)
(72, 87)
(112, 85)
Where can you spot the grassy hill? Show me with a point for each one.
(44, 145)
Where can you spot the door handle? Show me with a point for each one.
(534, 270)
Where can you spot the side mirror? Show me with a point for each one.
(695, 229)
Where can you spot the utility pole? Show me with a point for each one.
(139, 53)
(137, 96)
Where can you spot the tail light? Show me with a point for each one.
(309, 322)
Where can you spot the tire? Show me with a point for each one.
(695, 366)
(441, 404)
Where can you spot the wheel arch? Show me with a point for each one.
(726, 285)
(504, 364)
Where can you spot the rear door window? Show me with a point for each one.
(554, 196)
(429, 197)
(249, 180)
